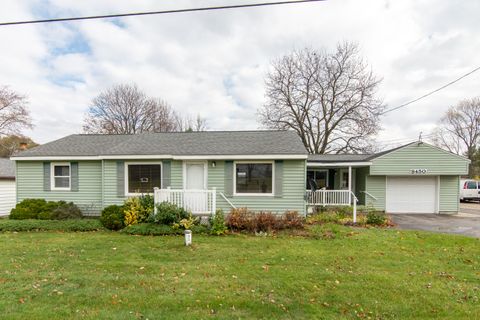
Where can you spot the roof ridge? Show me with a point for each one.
(175, 132)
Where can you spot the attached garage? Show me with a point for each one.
(415, 178)
(7, 186)
(412, 194)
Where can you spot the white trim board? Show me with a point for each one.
(338, 164)
(168, 157)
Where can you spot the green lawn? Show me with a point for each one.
(386, 274)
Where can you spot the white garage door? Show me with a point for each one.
(411, 195)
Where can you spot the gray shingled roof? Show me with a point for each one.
(175, 143)
(7, 169)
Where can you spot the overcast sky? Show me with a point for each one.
(213, 63)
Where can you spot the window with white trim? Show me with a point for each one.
(254, 178)
(61, 176)
(142, 178)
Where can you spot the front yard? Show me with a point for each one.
(337, 272)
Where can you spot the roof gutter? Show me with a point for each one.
(146, 157)
(338, 164)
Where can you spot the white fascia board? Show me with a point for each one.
(157, 157)
(244, 157)
(137, 157)
(55, 158)
(338, 164)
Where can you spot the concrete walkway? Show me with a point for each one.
(467, 222)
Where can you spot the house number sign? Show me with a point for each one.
(418, 171)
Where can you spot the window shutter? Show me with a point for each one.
(228, 176)
(46, 176)
(278, 183)
(120, 179)
(74, 176)
(166, 174)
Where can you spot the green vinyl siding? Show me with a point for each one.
(30, 184)
(294, 175)
(375, 186)
(449, 197)
(177, 174)
(419, 156)
(93, 194)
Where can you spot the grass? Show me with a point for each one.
(338, 272)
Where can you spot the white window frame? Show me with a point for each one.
(318, 170)
(52, 175)
(271, 194)
(135, 194)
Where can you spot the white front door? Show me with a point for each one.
(195, 175)
(195, 198)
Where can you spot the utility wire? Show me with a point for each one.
(148, 13)
(431, 92)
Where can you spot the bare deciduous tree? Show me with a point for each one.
(192, 125)
(329, 99)
(459, 130)
(125, 109)
(14, 114)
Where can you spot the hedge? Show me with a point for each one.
(73, 225)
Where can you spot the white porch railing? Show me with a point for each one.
(332, 198)
(195, 201)
(328, 198)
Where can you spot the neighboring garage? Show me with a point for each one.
(415, 178)
(7, 186)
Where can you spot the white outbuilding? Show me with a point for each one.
(7, 186)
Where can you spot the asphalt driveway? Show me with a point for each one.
(467, 222)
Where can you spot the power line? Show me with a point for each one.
(431, 92)
(147, 13)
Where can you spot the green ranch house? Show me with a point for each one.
(261, 170)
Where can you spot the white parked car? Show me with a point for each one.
(469, 189)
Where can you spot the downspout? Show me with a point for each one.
(103, 184)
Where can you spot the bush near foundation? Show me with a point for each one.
(243, 219)
(45, 210)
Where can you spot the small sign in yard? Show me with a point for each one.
(188, 237)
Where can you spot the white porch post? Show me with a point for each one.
(214, 200)
(350, 184)
(155, 200)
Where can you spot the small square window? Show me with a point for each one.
(60, 176)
